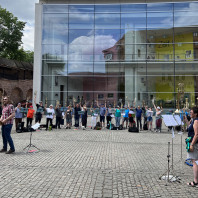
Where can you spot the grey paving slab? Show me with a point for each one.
(89, 163)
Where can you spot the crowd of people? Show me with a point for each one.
(102, 115)
(128, 115)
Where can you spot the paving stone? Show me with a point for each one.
(89, 163)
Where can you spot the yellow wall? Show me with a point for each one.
(180, 49)
(167, 85)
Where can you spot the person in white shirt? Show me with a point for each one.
(49, 116)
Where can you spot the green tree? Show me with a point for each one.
(10, 35)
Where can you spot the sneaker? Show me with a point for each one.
(3, 150)
(10, 151)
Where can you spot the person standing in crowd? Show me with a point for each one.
(30, 115)
(77, 108)
(109, 113)
(102, 115)
(68, 115)
(39, 107)
(193, 151)
(139, 117)
(49, 116)
(93, 118)
(158, 119)
(144, 110)
(117, 116)
(149, 114)
(131, 117)
(84, 118)
(18, 115)
(58, 116)
(6, 120)
(126, 116)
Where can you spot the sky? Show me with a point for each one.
(24, 10)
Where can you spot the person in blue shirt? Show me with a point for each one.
(139, 117)
(126, 116)
(102, 114)
(18, 115)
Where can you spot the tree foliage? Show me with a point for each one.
(11, 32)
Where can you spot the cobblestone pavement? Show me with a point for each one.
(89, 163)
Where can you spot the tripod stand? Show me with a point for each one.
(30, 145)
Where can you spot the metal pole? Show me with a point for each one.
(172, 155)
(168, 156)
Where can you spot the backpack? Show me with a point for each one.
(133, 130)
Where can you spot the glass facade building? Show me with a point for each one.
(119, 52)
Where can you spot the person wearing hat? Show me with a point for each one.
(39, 107)
(30, 115)
(50, 116)
(18, 115)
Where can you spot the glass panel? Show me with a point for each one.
(107, 36)
(134, 52)
(55, 52)
(186, 69)
(80, 97)
(80, 68)
(189, 6)
(134, 36)
(80, 53)
(80, 84)
(114, 53)
(160, 82)
(160, 52)
(160, 36)
(55, 8)
(107, 21)
(107, 8)
(53, 67)
(185, 52)
(81, 21)
(54, 88)
(186, 34)
(55, 29)
(81, 37)
(187, 73)
(133, 7)
(160, 7)
(185, 19)
(133, 21)
(160, 20)
(81, 8)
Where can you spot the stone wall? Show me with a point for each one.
(18, 90)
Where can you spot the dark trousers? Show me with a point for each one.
(6, 130)
(17, 121)
(108, 119)
(38, 118)
(58, 121)
(29, 120)
(77, 121)
(47, 121)
(84, 122)
(139, 122)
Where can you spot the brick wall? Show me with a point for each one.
(17, 89)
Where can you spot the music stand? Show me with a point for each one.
(30, 145)
(169, 120)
